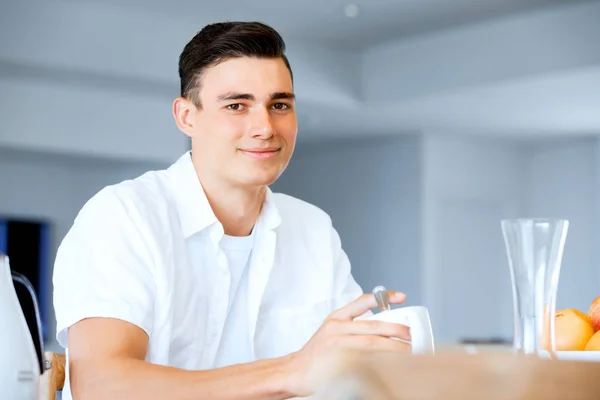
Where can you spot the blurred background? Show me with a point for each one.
(423, 123)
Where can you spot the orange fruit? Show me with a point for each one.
(594, 343)
(573, 330)
(594, 313)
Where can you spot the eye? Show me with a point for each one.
(235, 107)
(281, 106)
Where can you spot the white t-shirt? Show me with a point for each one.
(235, 344)
(147, 251)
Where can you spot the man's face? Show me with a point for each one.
(245, 132)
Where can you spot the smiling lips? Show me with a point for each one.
(261, 153)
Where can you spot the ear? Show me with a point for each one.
(183, 113)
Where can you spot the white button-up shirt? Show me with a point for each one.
(147, 251)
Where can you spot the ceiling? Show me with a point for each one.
(564, 104)
(510, 68)
(326, 21)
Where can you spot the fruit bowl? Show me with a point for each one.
(574, 355)
(577, 334)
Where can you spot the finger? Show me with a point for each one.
(363, 304)
(380, 328)
(374, 343)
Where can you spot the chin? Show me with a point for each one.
(264, 182)
(260, 179)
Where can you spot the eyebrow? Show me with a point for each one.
(248, 96)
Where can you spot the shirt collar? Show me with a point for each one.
(195, 212)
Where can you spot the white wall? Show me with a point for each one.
(54, 188)
(370, 188)
(87, 121)
(563, 183)
(469, 186)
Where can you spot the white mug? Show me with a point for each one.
(415, 317)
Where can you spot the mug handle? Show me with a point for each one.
(420, 328)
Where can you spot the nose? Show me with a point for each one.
(261, 124)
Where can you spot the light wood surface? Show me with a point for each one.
(53, 378)
(447, 376)
(455, 376)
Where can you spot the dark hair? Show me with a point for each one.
(221, 41)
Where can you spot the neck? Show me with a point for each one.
(237, 209)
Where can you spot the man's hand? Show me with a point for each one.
(340, 331)
(107, 360)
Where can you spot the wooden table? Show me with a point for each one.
(455, 376)
(53, 378)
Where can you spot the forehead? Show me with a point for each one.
(258, 76)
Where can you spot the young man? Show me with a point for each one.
(197, 282)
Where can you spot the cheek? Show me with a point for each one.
(287, 128)
(230, 127)
(221, 131)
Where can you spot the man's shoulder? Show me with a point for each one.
(137, 198)
(296, 209)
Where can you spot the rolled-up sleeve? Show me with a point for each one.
(103, 268)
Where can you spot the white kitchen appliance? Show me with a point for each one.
(19, 363)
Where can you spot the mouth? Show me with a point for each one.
(261, 153)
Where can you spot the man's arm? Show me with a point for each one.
(106, 359)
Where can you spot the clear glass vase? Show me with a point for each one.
(535, 249)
